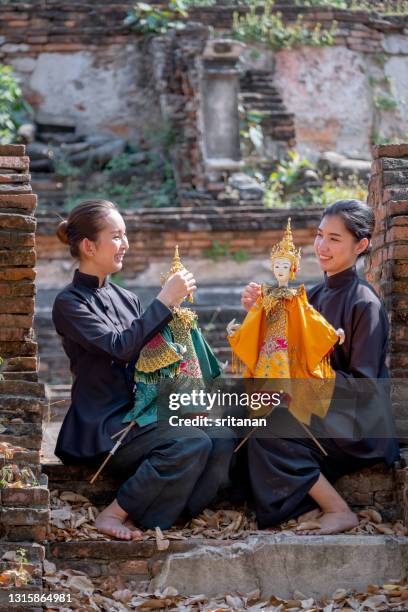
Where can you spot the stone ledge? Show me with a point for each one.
(280, 564)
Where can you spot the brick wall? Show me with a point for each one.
(24, 512)
(153, 233)
(388, 266)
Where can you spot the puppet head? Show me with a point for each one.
(176, 266)
(284, 253)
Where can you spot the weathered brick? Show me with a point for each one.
(391, 150)
(18, 349)
(12, 150)
(397, 233)
(15, 189)
(20, 364)
(16, 274)
(25, 202)
(26, 410)
(30, 496)
(16, 321)
(9, 334)
(14, 239)
(101, 550)
(16, 221)
(15, 178)
(24, 516)
(397, 208)
(396, 177)
(17, 305)
(14, 163)
(17, 289)
(32, 441)
(392, 164)
(22, 388)
(17, 258)
(26, 533)
(130, 567)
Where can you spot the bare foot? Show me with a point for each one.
(311, 515)
(111, 522)
(333, 522)
(137, 534)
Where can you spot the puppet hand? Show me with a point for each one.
(232, 327)
(250, 294)
(341, 335)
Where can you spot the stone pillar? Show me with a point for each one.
(24, 512)
(219, 105)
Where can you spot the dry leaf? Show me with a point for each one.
(70, 496)
(49, 568)
(339, 594)
(80, 583)
(372, 515)
(154, 604)
(384, 529)
(161, 542)
(124, 595)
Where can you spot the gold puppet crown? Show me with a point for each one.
(176, 266)
(286, 248)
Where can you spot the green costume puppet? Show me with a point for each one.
(178, 352)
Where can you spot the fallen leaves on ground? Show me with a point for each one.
(113, 594)
(73, 516)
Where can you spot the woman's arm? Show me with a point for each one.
(73, 319)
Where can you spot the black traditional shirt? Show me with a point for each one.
(103, 329)
(363, 407)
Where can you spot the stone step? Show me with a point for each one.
(376, 486)
(277, 564)
(281, 564)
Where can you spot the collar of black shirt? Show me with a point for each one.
(341, 278)
(87, 280)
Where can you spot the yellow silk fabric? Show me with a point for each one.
(310, 340)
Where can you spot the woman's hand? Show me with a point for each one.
(250, 294)
(176, 288)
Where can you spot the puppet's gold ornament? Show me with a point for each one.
(176, 266)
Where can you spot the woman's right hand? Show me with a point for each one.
(176, 288)
(250, 294)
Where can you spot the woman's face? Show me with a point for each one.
(281, 270)
(336, 248)
(107, 252)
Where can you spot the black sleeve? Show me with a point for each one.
(368, 343)
(74, 319)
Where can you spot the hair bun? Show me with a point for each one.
(62, 232)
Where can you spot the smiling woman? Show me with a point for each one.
(289, 476)
(103, 330)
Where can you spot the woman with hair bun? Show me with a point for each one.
(103, 329)
(290, 475)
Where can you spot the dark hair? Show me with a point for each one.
(357, 216)
(86, 220)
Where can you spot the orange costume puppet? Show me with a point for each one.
(284, 337)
